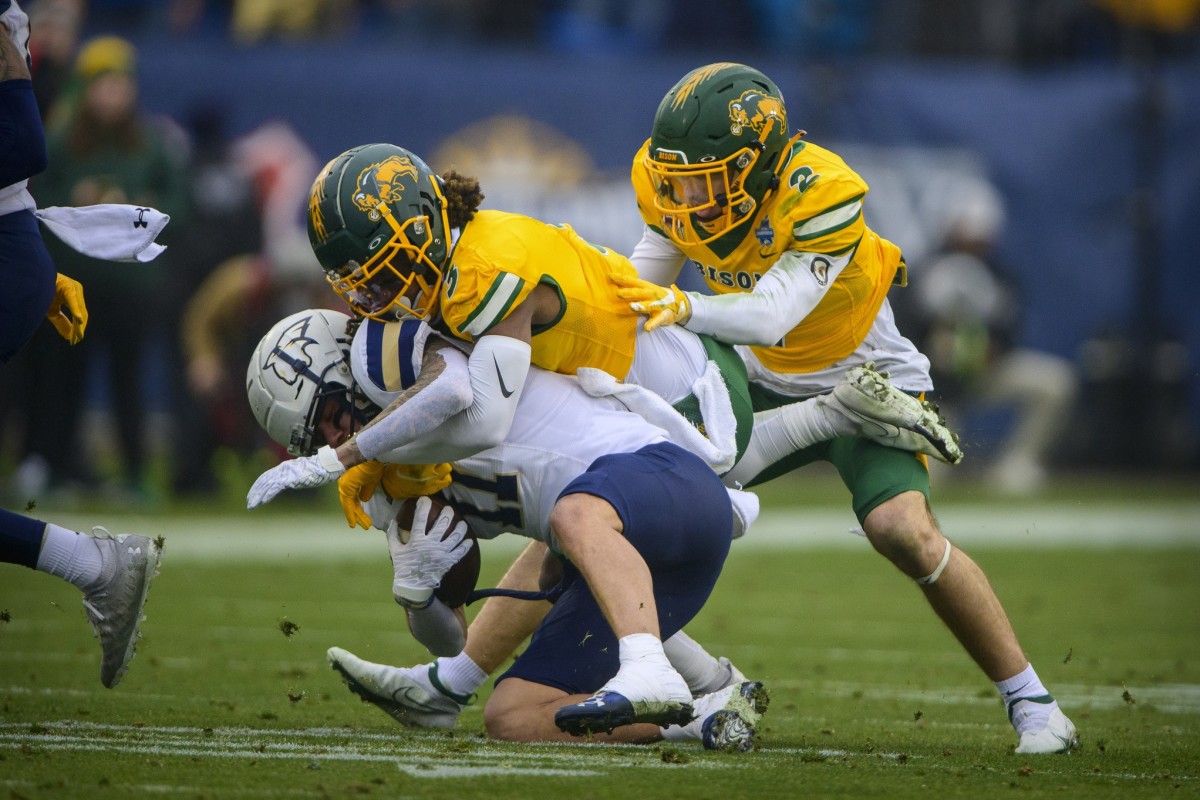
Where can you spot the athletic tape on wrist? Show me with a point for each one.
(327, 457)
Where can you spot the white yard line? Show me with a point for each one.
(317, 536)
(411, 755)
(416, 758)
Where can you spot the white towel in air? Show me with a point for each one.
(109, 231)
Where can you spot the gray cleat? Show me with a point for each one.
(114, 606)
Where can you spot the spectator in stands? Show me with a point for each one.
(964, 311)
(241, 294)
(108, 150)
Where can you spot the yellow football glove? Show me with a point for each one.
(359, 483)
(68, 292)
(664, 305)
(355, 487)
(405, 480)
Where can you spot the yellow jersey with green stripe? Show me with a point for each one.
(500, 258)
(818, 208)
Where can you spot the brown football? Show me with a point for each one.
(458, 583)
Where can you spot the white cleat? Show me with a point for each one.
(1057, 736)
(884, 414)
(412, 696)
(114, 605)
(735, 674)
(728, 718)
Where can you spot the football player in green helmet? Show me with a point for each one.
(377, 224)
(714, 151)
(776, 226)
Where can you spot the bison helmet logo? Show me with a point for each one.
(383, 183)
(753, 109)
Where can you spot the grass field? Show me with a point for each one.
(871, 697)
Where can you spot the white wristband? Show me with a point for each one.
(327, 457)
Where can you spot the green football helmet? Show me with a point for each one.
(715, 150)
(377, 224)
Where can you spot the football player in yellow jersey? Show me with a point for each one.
(776, 227)
(384, 226)
(397, 240)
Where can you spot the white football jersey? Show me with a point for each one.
(558, 431)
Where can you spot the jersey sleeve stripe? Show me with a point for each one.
(375, 353)
(389, 351)
(408, 335)
(830, 221)
(495, 304)
(846, 250)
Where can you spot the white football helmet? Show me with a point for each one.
(302, 360)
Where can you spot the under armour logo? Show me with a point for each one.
(141, 222)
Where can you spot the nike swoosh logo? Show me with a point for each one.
(877, 429)
(414, 698)
(504, 390)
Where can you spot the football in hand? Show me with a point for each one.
(458, 583)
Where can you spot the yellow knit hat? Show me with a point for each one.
(105, 54)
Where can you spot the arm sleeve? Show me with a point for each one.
(786, 294)
(486, 389)
(22, 140)
(427, 409)
(656, 259)
(438, 628)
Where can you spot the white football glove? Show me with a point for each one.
(422, 561)
(17, 22)
(299, 473)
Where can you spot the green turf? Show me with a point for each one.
(871, 697)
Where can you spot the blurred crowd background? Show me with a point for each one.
(1038, 160)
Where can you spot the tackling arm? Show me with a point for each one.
(785, 295)
(656, 258)
(466, 407)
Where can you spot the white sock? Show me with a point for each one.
(1026, 699)
(681, 733)
(70, 555)
(1024, 684)
(641, 647)
(702, 672)
(645, 673)
(460, 674)
(779, 432)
